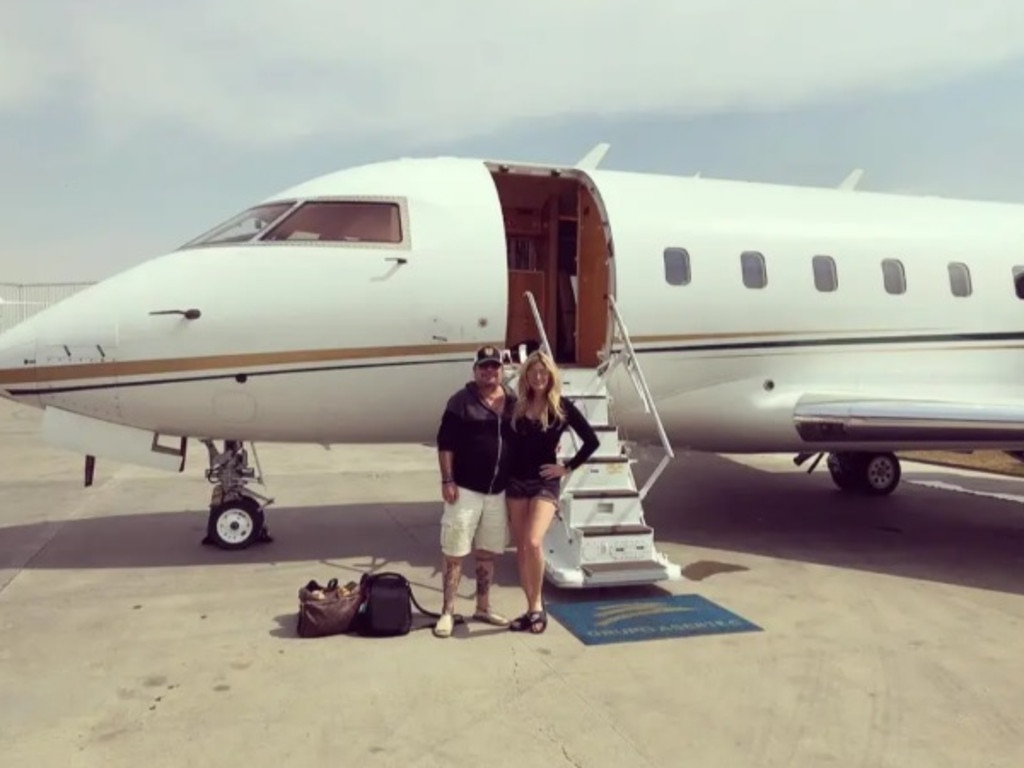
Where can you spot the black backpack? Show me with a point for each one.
(387, 606)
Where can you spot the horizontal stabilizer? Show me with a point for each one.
(847, 420)
(93, 437)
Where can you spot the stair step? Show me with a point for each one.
(636, 572)
(617, 547)
(596, 485)
(582, 382)
(608, 435)
(628, 529)
(623, 565)
(613, 474)
(600, 493)
(615, 510)
(611, 574)
(594, 409)
(619, 458)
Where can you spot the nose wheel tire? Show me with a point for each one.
(236, 524)
(876, 474)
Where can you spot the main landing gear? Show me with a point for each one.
(237, 519)
(875, 474)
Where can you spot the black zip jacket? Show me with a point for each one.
(478, 440)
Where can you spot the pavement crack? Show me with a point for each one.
(516, 670)
(571, 760)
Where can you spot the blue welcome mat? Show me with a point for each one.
(603, 622)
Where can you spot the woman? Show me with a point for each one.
(539, 418)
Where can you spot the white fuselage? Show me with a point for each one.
(345, 342)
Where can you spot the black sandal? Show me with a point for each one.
(538, 619)
(520, 623)
(529, 622)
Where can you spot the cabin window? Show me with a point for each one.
(340, 221)
(826, 277)
(894, 277)
(677, 266)
(959, 278)
(755, 273)
(1018, 281)
(244, 226)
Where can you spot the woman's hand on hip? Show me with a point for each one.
(552, 471)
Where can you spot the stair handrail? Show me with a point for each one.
(640, 382)
(643, 389)
(539, 323)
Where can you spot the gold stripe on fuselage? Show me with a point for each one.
(31, 374)
(84, 371)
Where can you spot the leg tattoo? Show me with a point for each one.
(452, 576)
(484, 577)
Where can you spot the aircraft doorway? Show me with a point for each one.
(557, 249)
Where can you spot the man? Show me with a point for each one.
(471, 444)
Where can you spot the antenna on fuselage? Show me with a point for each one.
(850, 182)
(593, 158)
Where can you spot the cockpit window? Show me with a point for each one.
(243, 227)
(346, 221)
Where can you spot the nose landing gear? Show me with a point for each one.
(237, 517)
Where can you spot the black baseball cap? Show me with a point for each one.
(487, 354)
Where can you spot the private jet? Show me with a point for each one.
(694, 313)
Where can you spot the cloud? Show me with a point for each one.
(264, 74)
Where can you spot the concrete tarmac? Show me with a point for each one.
(892, 627)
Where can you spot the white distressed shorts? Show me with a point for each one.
(474, 521)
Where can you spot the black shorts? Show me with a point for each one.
(537, 487)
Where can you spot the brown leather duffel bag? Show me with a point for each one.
(327, 610)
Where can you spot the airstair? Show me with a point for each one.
(600, 537)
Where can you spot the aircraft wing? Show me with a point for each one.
(821, 418)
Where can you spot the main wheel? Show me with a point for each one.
(881, 474)
(843, 470)
(876, 474)
(236, 524)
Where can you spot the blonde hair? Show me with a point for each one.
(553, 395)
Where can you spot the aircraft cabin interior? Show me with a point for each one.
(557, 249)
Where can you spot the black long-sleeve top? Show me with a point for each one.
(531, 446)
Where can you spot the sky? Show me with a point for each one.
(128, 128)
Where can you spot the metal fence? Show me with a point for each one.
(19, 301)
